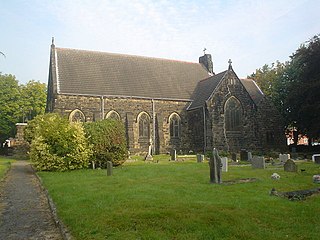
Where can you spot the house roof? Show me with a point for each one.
(99, 73)
(254, 91)
(204, 90)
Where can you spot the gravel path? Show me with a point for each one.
(24, 209)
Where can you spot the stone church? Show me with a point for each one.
(165, 104)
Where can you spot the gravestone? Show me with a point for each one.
(290, 166)
(234, 157)
(173, 155)
(149, 156)
(258, 162)
(109, 168)
(244, 155)
(93, 165)
(215, 167)
(284, 157)
(200, 158)
(249, 156)
(224, 162)
(316, 158)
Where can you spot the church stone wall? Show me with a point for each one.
(96, 108)
(233, 141)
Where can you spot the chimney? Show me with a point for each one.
(206, 61)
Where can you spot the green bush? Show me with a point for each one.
(56, 144)
(108, 141)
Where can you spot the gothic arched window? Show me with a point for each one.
(175, 124)
(77, 116)
(113, 115)
(233, 114)
(144, 126)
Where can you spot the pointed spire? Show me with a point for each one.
(52, 41)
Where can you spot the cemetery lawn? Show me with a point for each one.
(4, 166)
(174, 200)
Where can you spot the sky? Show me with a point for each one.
(251, 33)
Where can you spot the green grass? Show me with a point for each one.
(4, 166)
(174, 200)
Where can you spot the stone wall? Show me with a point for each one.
(159, 111)
(245, 137)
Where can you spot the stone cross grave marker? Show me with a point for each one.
(149, 155)
(215, 167)
(224, 162)
(290, 166)
(200, 158)
(258, 162)
(173, 155)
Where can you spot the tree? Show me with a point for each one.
(108, 141)
(33, 100)
(303, 83)
(57, 144)
(9, 105)
(294, 87)
(19, 103)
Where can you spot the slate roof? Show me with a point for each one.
(99, 73)
(204, 90)
(252, 88)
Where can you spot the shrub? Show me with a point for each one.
(108, 141)
(56, 144)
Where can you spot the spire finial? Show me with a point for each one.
(204, 51)
(230, 62)
(52, 41)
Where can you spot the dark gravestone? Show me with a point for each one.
(234, 157)
(173, 155)
(215, 167)
(290, 166)
(109, 168)
(244, 155)
(316, 158)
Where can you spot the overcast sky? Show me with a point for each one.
(251, 33)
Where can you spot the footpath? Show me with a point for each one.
(24, 208)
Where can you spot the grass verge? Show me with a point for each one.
(174, 200)
(4, 166)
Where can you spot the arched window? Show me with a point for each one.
(77, 116)
(144, 126)
(233, 114)
(175, 124)
(113, 115)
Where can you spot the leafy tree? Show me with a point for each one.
(294, 87)
(33, 100)
(303, 83)
(9, 105)
(56, 144)
(19, 103)
(108, 141)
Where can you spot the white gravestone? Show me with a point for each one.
(224, 163)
